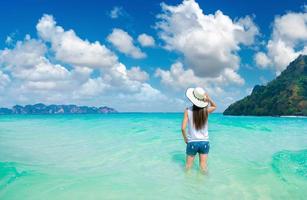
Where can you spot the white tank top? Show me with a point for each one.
(193, 134)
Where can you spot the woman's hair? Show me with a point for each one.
(200, 117)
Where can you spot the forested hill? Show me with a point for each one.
(285, 95)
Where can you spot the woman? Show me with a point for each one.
(196, 117)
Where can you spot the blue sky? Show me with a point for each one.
(92, 52)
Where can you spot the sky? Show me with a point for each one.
(141, 56)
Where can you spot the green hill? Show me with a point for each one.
(285, 95)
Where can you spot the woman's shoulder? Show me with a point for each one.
(187, 109)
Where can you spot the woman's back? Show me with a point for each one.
(194, 134)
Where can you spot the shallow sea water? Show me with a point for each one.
(142, 156)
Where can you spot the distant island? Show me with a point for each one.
(55, 109)
(285, 95)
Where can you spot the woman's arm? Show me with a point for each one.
(212, 106)
(184, 126)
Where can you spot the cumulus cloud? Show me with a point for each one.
(135, 73)
(150, 99)
(25, 54)
(220, 89)
(116, 12)
(146, 40)
(60, 67)
(124, 43)
(70, 48)
(262, 59)
(43, 71)
(4, 80)
(209, 43)
(288, 40)
(247, 30)
(8, 40)
(179, 78)
(91, 88)
(31, 70)
(148, 92)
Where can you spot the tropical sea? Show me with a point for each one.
(142, 156)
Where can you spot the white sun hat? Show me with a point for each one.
(197, 96)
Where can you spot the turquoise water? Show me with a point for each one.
(141, 156)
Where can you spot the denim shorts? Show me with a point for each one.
(201, 147)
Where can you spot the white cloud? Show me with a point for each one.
(150, 99)
(124, 43)
(91, 88)
(4, 80)
(61, 67)
(179, 79)
(291, 27)
(72, 70)
(43, 71)
(288, 40)
(209, 43)
(262, 59)
(230, 76)
(116, 12)
(8, 40)
(124, 80)
(148, 93)
(281, 54)
(247, 31)
(32, 71)
(135, 73)
(219, 88)
(25, 54)
(146, 40)
(69, 48)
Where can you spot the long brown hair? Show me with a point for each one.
(200, 117)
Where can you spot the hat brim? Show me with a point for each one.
(196, 102)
